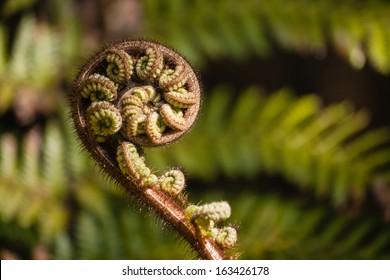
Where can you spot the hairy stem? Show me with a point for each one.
(174, 215)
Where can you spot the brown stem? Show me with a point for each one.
(159, 202)
(174, 215)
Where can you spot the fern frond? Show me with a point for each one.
(29, 198)
(34, 68)
(326, 150)
(37, 56)
(359, 32)
(275, 228)
(18, 65)
(123, 234)
(47, 197)
(270, 227)
(89, 239)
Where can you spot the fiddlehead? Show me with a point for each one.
(139, 93)
(172, 182)
(120, 65)
(103, 120)
(206, 216)
(98, 88)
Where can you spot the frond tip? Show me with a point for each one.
(206, 216)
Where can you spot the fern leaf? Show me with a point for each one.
(225, 28)
(53, 159)
(21, 50)
(30, 197)
(327, 150)
(45, 59)
(41, 55)
(88, 237)
(275, 228)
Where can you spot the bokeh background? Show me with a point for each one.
(294, 131)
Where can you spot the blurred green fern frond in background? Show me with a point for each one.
(307, 175)
(33, 64)
(313, 147)
(358, 31)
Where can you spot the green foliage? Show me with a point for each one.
(276, 228)
(210, 29)
(325, 150)
(32, 70)
(33, 182)
(51, 195)
(37, 192)
(43, 177)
